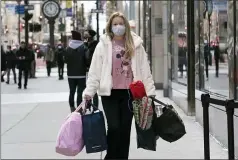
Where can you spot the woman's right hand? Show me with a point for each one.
(87, 97)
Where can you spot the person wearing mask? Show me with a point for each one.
(3, 64)
(60, 61)
(118, 60)
(206, 57)
(49, 58)
(11, 64)
(91, 44)
(217, 58)
(77, 64)
(24, 59)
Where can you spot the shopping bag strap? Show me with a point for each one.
(89, 104)
(157, 101)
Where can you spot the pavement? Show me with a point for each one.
(214, 84)
(31, 119)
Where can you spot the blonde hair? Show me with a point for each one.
(129, 43)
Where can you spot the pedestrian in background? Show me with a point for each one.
(206, 57)
(49, 58)
(118, 60)
(11, 64)
(77, 64)
(91, 45)
(23, 64)
(3, 64)
(182, 53)
(217, 58)
(60, 53)
(32, 70)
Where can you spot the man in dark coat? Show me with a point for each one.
(24, 60)
(3, 64)
(77, 64)
(60, 53)
(91, 45)
(11, 64)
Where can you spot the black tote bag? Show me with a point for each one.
(94, 131)
(169, 126)
(146, 138)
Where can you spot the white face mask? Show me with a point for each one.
(119, 30)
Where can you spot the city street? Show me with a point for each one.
(31, 119)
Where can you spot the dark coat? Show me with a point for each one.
(11, 59)
(3, 61)
(60, 56)
(26, 62)
(91, 48)
(77, 61)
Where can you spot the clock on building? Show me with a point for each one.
(51, 9)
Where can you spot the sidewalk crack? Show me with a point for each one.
(17, 123)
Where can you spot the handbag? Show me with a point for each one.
(70, 137)
(94, 131)
(137, 89)
(169, 126)
(146, 137)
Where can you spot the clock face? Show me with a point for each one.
(51, 9)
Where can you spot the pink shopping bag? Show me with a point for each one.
(70, 137)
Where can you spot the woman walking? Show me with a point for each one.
(119, 59)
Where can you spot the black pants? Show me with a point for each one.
(117, 108)
(48, 67)
(14, 74)
(61, 70)
(182, 62)
(217, 66)
(79, 85)
(25, 77)
(206, 65)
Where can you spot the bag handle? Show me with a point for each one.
(89, 104)
(80, 109)
(157, 101)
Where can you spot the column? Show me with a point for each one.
(167, 58)
(232, 52)
(157, 43)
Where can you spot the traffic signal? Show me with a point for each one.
(28, 16)
(34, 27)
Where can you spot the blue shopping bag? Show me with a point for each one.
(94, 131)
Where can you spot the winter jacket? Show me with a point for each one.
(23, 63)
(76, 59)
(91, 48)
(3, 61)
(11, 59)
(49, 56)
(60, 56)
(100, 72)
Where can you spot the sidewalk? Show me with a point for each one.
(29, 131)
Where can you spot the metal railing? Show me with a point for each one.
(230, 106)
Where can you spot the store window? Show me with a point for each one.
(178, 41)
(211, 46)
